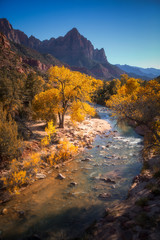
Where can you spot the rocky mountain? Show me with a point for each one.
(9, 60)
(72, 49)
(23, 59)
(144, 73)
(35, 59)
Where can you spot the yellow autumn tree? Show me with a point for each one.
(68, 91)
(139, 102)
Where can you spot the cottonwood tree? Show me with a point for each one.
(68, 92)
(139, 102)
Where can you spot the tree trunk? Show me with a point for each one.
(61, 120)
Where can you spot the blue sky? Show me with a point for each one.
(128, 30)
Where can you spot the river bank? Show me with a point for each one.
(137, 217)
(80, 135)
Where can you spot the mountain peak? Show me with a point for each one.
(73, 32)
(4, 24)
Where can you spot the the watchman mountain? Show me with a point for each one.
(73, 49)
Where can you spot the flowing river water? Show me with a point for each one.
(56, 209)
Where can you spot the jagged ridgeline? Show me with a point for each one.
(73, 49)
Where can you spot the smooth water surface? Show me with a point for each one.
(55, 209)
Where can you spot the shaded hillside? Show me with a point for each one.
(28, 54)
(21, 58)
(9, 59)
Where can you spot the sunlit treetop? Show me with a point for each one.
(68, 91)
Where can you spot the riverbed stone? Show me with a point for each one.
(104, 195)
(107, 180)
(89, 146)
(60, 176)
(40, 176)
(21, 213)
(4, 211)
(73, 183)
(86, 159)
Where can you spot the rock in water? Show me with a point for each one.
(89, 146)
(104, 195)
(108, 180)
(73, 184)
(86, 159)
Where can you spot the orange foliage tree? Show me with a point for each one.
(68, 91)
(139, 102)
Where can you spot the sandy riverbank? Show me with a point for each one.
(81, 135)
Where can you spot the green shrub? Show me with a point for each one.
(9, 142)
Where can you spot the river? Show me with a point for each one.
(56, 209)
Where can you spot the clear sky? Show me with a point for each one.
(128, 30)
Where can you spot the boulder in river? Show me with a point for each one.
(108, 180)
(86, 159)
(73, 184)
(104, 195)
(89, 146)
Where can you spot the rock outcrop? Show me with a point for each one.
(4, 43)
(36, 63)
(11, 60)
(16, 36)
